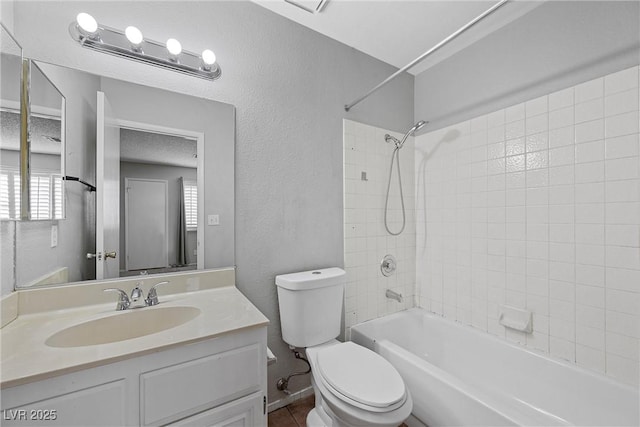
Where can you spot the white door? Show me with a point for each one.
(146, 223)
(108, 192)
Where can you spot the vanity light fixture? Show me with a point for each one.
(132, 45)
(175, 48)
(134, 36)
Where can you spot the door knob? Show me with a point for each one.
(110, 255)
(97, 256)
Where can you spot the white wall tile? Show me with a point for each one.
(623, 301)
(560, 99)
(537, 106)
(590, 172)
(622, 369)
(589, 110)
(627, 168)
(496, 118)
(591, 296)
(540, 210)
(590, 151)
(622, 124)
(563, 135)
(590, 358)
(623, 191)
(623, 146)
(623, 235)
(622, 80)
(589, 90)
(365, 239)
(515, 113)
(590, 234)
(622, 102)
(595, 129)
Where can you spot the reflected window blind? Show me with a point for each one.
(57, 196)
(40, 196)
(9, 194)
(191, 204)
(6, 207)
(46, 195)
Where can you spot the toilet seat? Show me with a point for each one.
(360, 377)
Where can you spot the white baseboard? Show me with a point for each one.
(281, 403)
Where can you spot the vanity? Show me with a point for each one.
(199, 357)
(113, 184)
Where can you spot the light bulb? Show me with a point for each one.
(134, 35)
(87, 23)
(174, 47)
(208, 57)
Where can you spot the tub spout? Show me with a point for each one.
(393, 295)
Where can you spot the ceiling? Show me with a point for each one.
(398, 31)
(157, 149)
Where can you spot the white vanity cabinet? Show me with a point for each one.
(219, 381)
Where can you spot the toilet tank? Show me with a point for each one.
(310, 306)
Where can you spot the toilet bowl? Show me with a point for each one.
(353, 385)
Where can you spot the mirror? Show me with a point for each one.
(10, 128)
(46, 145)
(144, 150)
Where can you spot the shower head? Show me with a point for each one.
(418, 126)
(412, 131)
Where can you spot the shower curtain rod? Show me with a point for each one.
(419, 59)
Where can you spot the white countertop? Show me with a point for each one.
(25, 357)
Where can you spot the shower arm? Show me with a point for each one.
(428, 53)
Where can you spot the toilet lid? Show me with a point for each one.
(361, 375)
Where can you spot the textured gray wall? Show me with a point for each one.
(288, 85)
(557, 45)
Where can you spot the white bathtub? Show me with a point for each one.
(458, 375)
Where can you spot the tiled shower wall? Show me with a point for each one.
(366, 171)
(537, 206)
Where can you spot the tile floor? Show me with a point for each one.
(295, 414)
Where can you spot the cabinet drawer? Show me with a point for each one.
(178, 391)
(245, 412)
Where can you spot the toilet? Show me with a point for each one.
(353, 385)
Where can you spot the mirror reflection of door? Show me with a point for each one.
(108, 191)
(146, 209)
(158, 175)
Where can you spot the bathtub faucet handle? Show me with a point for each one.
(388, 265)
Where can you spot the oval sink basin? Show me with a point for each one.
(122, 326)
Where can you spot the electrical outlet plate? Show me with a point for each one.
(54, 235)
(213, 219)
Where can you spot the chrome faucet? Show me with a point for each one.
(393, 295)
(124, 302)
(152, 296)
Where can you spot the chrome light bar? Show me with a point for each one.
(86, 31)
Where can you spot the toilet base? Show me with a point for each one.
(314, 420)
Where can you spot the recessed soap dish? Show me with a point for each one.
(515, 318)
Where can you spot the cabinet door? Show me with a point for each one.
(100, 405)
(245, 412)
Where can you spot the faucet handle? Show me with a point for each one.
(123, 302)
(152, 297)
